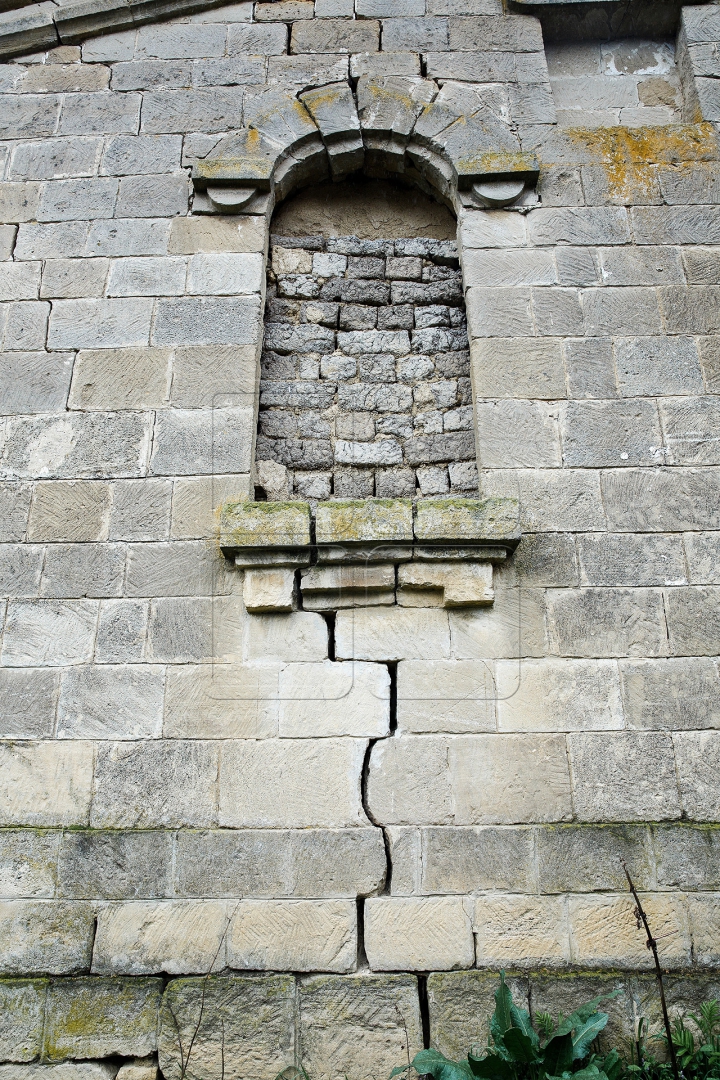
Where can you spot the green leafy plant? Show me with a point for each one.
(697, 1052)
(518, 1051)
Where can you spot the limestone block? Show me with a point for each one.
(28, 697)
(22, 1002)
(465, 860)
(142, 937)
(51, 937)
(558, 695)
(120, 379)
(463, 584)
(604, 932)
(418, 933)
(95, 1018)
(393, 634)
(292, 783)
(404, 856)
(269, 589)
(28, 858)
(139, 1069)
(445, 695)
(111, 702)
(92, 570)
(292, 261)
(46, 783)
(156, 783)
(692, 616)
(460, 1004)
(518, 367)
(329, 698)
(607, 622)
(221, 701)
(409, 783)
(225, 273)
(301, 935)
(525, 931)
(513, 627)
(696, 754)
(626, 776)
(509, 778)
(49, 633)
(703, 912)
(247, 1025)
(686, 857)
(518, 434)
(358, 1026)
(265, 524)
(121, 631)
(74, 510)
(180, 629)
(332, 587)
(195, 500)
(299, 636)
(222, 375)
(115, 865)
(67, 1070)
(352, 520)
(582, 858)
(672, 694)
(335, 36)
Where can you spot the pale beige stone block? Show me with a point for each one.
(269, 589)
(342, 586)
(395, 634)
(49, 936)
(109, 379)
(295, 935)
(704, 915)
(513, 626)
(139, 1069)
(66, 1070)
(351, 698)
(445, 695)
(521, 931)
(292, 783)
(291, 260)
(409, 782)
(273, 478)
(221, 701)
(70, 510)
(463, 584)
(558, 695)
(419, 933)
(141, 937)
(604, 933)
(189, 235)
(196, 501)
(697, 754)
(509, 778)
(46, 783)
(299, 636)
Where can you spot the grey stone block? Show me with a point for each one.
(237, 71)
(152, 75)
(193, 442)
(671, 695)
(676, 224)
(465, 860)
(68, 279)
(147, 277)
(19, 281)
(499, 312)
(686, 857)
(153, 195)
(627, 559)
(170, 111)
(542, 559)
(180, 568)
(649, 366)
(49, 633)
(99, 114)
(155, 784)
(702, 551)
(121, 632)
(702, 266)
(111, 379)
(610, 311)
(585, 225)
(74, 570)
(414, 34)
(690, 426)
(310, 70)
(599, 434)
(268, 40)
(607, 622)
(335, 36)
(207, 321)
(460, 1005)
(29, 117)
(19, 202)
(140, 510)
(93, 324)
(557, 312)
(624, 776)
(590, 368)
(54, 159)
(49, 936)
(23, 1003)
(179, 40)
(119, 865)
(67, 200)
(14, 509)
(480, 67)
(111, 703)
(662, 500)
(124, 237)
(20, 567)
(585, 859)
(455, 446)
(180, 630)
(693, 620)
(698, 755)
(8, 234)
(26, 328)
(96, 1018)
(515, 267)
(642, 266)
(133, 154)
(517, 434)
(28, 706)
(51, 241)
(88, 444)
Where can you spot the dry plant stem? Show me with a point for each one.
(652, 945)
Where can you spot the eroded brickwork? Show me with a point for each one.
(365, 370)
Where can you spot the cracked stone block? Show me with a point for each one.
(463, 584)
(269, 589)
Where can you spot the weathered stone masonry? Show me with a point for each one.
(352, 791)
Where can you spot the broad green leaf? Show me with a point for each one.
(491, 1067)
(590, 1072)
(584, 1012)
(612, 1066)
(398, 1070)
(502, 1019)
(519, 1046)
(435, 1064)
(586, 1032)
(558, 1054)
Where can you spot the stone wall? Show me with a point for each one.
(354, 816)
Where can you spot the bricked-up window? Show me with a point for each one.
(365, 375)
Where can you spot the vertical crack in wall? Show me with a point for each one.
(424, 1010)
(329, 617)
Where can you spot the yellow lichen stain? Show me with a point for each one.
(629, 155)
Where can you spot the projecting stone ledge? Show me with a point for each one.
(462, 538)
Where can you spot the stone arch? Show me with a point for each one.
(447, 140)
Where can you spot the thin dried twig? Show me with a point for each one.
(651, 943)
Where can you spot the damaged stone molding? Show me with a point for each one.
(359, 553)
(444, 140)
